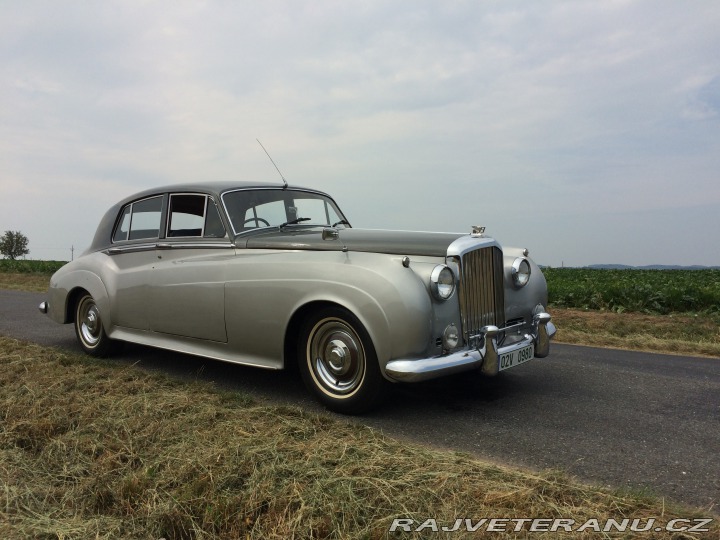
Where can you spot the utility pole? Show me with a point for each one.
(72, 252)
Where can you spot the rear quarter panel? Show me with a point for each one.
(79, 274)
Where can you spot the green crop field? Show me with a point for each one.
(23, 266)
(647, 291)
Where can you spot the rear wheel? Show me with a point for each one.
(338, 363)
(89, 329)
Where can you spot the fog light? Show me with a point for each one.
(450, 337)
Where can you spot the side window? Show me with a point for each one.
(145, 220)
(186, 215)
(121, 233)
(214, 227)
(139, 220)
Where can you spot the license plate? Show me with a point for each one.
(516, 357)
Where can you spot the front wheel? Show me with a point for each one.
(89, 329)
(338, 362)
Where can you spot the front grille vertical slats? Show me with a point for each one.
(482, 295)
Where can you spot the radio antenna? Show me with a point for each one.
(271, 161)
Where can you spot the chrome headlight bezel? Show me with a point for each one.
(520, 272)
(450, 337)
(442, 282)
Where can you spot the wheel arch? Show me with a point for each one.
(376, 332)
(73, 298)
(86, 282)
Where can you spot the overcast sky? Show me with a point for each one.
(586, 131)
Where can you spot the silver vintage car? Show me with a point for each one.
(273, 276)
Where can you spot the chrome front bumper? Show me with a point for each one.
(486, 357)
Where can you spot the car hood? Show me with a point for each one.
(370, 240)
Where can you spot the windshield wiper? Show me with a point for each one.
(341, 222)
(294, 221)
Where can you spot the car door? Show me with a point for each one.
(131, 261)
(187, 289)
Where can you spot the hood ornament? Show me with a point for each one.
(477, 231)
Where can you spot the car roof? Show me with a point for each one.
(211, 188)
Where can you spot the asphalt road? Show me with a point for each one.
(613, 418)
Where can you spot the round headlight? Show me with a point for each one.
(520, 272)
(442, 282)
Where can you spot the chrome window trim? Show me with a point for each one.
(118, 220)
(220, 215)
(169, 214)
(118, 223)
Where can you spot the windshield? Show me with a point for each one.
(250, 209)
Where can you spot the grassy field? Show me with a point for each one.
(93, 449)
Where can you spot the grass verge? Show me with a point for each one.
(93, 449)
(674, 333)
(24, 281)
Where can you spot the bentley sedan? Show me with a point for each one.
(273, 276)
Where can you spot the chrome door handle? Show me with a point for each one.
(163, 245)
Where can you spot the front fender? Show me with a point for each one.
(521, 302)
(389, 300)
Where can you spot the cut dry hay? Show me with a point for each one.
(91, 449)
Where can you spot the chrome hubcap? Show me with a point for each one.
(89, 322)
(336, 357)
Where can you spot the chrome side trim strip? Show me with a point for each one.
(191, 245)
(130, 249)
(168, 245)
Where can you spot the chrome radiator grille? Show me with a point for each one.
(481, 288)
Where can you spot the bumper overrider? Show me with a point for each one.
(485, 356)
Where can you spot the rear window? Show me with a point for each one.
(139, 220)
